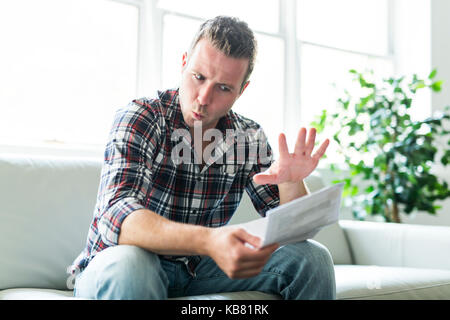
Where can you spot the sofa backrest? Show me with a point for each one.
(46, 209)
(45, 212)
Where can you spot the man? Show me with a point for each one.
(159, 227)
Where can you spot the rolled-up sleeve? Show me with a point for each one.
(126, 173)
(264, 197)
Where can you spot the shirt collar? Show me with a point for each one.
(171, 104)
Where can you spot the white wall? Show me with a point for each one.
(440, 49)
(440, 59)
(411, 45)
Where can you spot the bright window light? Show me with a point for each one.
(261, 15)
(67, 65)
(325, 74)
(267, 77)
(359, 25)
(176, 41)
(263, 100)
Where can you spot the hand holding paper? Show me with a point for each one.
(299, 219)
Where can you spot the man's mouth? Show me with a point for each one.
(197, 116)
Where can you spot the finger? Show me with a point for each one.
(261, 254)
(282, 145)
(311, 140)
(300, 143)
(250, 260)
(249, 269)
(321, 151)
(272, 247)
(269, 249)
(248, 273)
(265, 178)
(257, 256)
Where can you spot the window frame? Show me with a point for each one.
(149, 67)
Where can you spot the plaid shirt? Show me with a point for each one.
(139, 172)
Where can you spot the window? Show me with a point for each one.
(261, 15)
(67, 65)
(355, 25)
(336, 36)
(182, 19)
(325, 75)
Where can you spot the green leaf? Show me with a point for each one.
(398, 153)
(436, 86)
(432, 74)
(446, 157)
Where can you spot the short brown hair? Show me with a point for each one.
(231, 36)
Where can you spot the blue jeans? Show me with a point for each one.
(296, 271)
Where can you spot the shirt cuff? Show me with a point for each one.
(111, 220)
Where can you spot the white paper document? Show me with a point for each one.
(299, 219)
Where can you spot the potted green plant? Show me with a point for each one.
(392, 154)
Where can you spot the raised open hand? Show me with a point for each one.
(293, 167)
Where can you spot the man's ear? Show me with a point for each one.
(184, 61)
(244, 87)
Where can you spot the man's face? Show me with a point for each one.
(210, 84)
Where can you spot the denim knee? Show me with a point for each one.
(310, 267)
(321, 266)
(123, 272)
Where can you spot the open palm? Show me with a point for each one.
(293, 167)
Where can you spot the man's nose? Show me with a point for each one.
(205, 95)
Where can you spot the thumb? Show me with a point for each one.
(265, 178)
(244, 236)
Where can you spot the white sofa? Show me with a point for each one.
(47, 204)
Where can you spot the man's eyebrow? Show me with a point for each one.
(197, 72)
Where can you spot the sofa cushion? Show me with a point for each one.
(334, 239)
(391, 283)
(36, 294)
(49, 294)
(47, 206)
(398, 244)
(352, 282)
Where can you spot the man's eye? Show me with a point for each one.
(224, 88)
(197, 76)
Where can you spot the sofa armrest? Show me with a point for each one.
(403, 245)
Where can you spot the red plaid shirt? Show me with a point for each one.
(138, 172)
